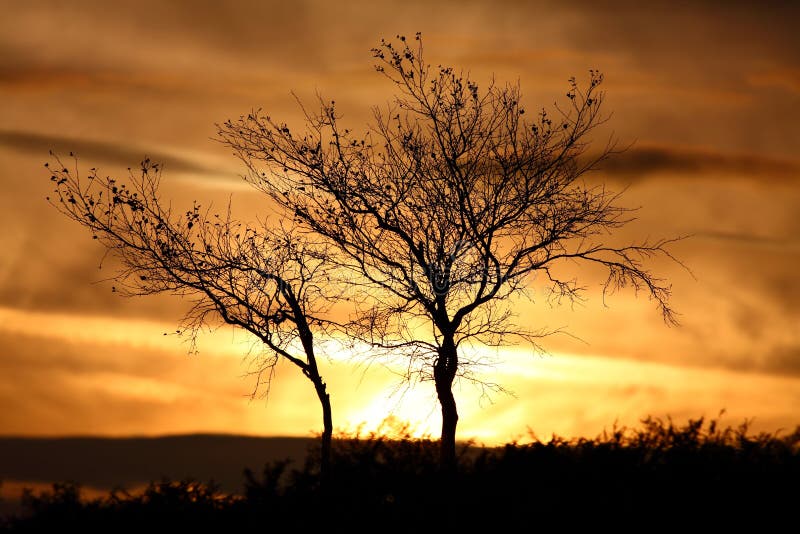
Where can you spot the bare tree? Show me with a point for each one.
(260, 279)
(448, 204)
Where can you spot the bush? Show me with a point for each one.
(652, 476)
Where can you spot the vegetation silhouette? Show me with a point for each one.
(647, 478)
(447, 206)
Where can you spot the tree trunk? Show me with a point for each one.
(444, 371)
(327, 430)
(312, 372)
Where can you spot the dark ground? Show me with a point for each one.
(109, 462)
(661, 477)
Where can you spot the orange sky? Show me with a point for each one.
(709, 94)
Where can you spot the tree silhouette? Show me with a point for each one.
(257, 278)
(447, 205)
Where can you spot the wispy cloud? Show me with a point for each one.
(787, 79)
(639, 162)
(749, 239)
(784, 360)
(94, 150)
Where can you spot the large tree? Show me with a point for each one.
(261, 279)
(447, 205)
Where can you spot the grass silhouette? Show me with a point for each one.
(645, 478)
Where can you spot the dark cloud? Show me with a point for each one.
(40, 145)
(182, 35)
(55, 267)
(639, 162)
(771, 278)
(786, 79)
(780, 361)
(59, 271)
(51, 264)
(784, 360)
(93, 82)
(747, 239)
(710, 33)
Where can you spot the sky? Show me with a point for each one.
(705, 94)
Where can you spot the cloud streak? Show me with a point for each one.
(640, 162)
(93, 150)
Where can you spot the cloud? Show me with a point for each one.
(784, 360)
(689, 34)
(57, 386)
(639, 162)
(58, 270)
(92, 82)
(179, 36)
(748, 239)
(41, 144)
(52, 264)
(786, 79)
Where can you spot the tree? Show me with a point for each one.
(448, 205)
(260, 279)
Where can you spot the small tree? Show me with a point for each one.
(447, 205)
(259, 279)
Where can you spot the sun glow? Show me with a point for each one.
(150, 386)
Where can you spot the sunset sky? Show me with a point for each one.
(706, 93)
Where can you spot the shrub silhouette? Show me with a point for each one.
(647, 478)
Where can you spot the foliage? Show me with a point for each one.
(644, 478)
